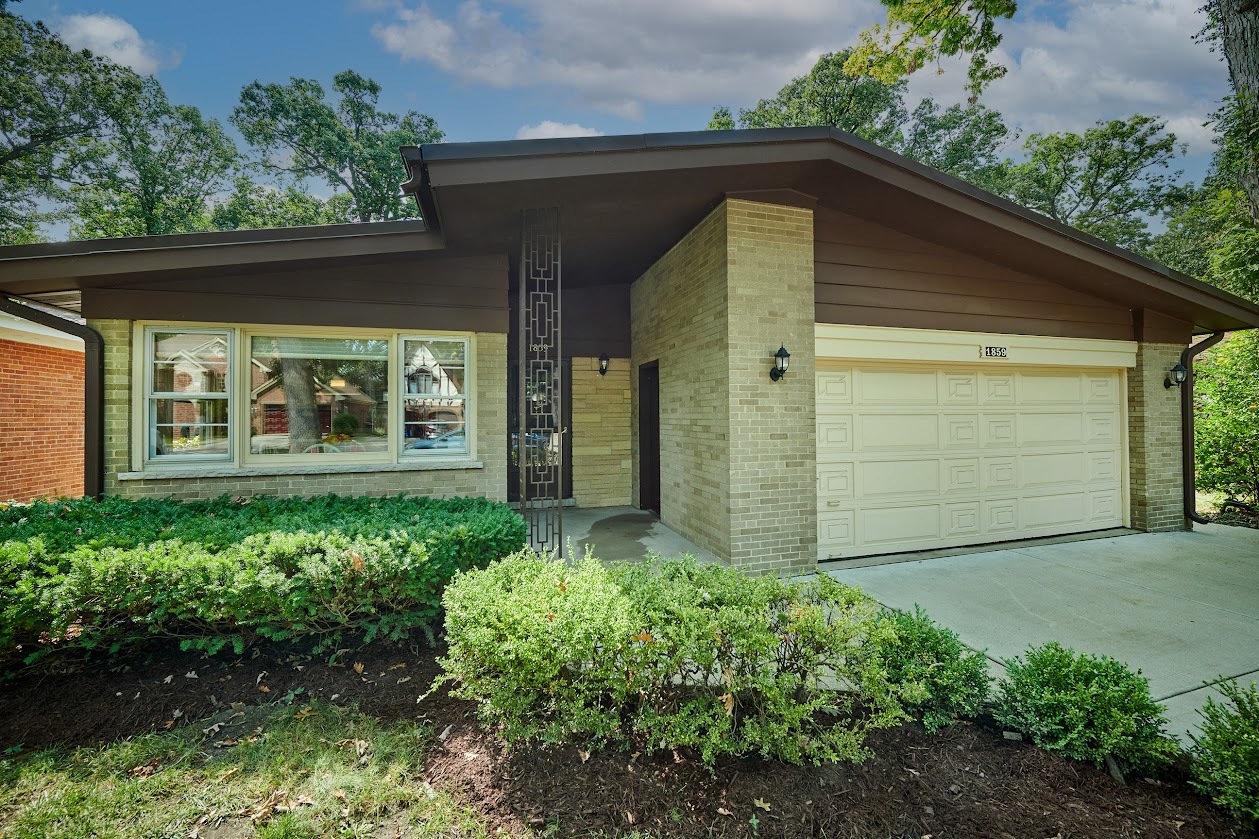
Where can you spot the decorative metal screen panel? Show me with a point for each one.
(539, 445)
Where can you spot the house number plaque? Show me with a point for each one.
(996, 352)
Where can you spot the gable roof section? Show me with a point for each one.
(625, 200)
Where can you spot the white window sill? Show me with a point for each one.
(185, 472)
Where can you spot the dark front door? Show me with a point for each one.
(649, 437)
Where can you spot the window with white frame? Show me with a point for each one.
(258, 396)
(188, 394)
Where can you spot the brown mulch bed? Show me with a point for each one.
(965, 782)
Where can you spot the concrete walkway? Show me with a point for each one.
(1183, 607)
(625, 534)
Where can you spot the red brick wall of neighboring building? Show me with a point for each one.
(41, 421)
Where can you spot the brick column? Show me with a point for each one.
(117, 335)
(1156, 473)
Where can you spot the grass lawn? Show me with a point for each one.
(279, 772)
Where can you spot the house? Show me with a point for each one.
(604, 320)
(41, 411)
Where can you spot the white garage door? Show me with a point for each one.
(915, 457)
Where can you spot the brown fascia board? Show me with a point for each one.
(69, 265)
(433, 166)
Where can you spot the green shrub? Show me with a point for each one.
(224, 573)
(1226, 756)
(1226, 417)
(1083, 706)
(676, 653)
(943, 680)
(346, 424)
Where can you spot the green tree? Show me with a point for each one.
(1106, 181)
(919, 32)
(350, 144)
(964, 141)
(252, 206)
(53, 102)
(154, 170)
(1226, 417)
(827, 95)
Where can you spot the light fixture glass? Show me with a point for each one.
(781, 362)
(1176, 376)
(603, 364)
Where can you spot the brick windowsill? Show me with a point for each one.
(192, 473)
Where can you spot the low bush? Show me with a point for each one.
(1226, 756)
(104, 574)
(671, 654)
(1084, 706)
(943, 679)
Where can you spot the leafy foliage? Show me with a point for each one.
(90, 574)
(251, 206)
(916, 652)
(963, 141)
(828, 96)
(673, 652)
(1226, 417)
(919, 32)
(1083, 706)
(1226, 756)
(53, 102)
(351, 145)
(1105, 181)
(154, 171)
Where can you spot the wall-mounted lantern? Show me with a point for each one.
(603, 364)
(1176, 377)
(781, 360)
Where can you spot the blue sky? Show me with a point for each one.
(498, 69)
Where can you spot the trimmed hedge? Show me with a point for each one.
(216, 573)
(670, 654)
(1084, 706)
(953, 680)
(1226, 756)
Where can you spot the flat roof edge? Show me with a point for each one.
(211, 239)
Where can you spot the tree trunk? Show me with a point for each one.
(1240, 25)
(299, 398)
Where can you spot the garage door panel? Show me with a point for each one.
(881, 478)
(961, 388)
(1043, 511)
(960, 431)
(888, 527)
(897, 387)
(834, 435)
(1050, 429)
(1000, 473)
(1050, 389)
(1044, 470)
(834, 389)
(897, 432)
(961, 476)
(997, 389)
(1102, 428)
(962, 520)
(920, 458)
(834, 481)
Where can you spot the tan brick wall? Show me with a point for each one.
(738, 451)
(41, 421)
(491, 415)
(773, 425)
(678, 317)
(601, 433)
(1156, 473)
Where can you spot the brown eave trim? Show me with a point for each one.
(522, 160)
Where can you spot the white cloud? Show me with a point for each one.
(549, 129)
(1094, 61)
(107, 35)
(616, 56)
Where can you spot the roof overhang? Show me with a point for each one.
(60, 270)
(626, 200)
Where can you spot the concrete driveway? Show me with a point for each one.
(1183, 607)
